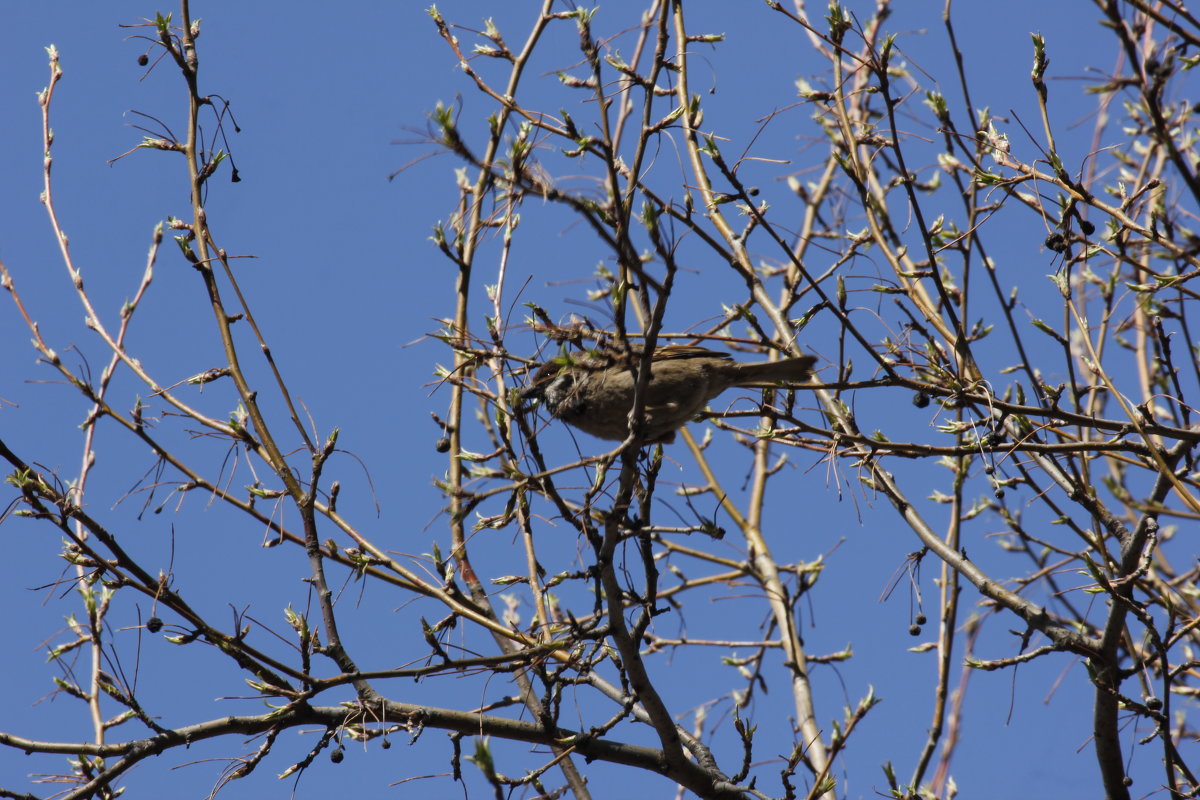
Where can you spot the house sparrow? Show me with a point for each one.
(595, 393)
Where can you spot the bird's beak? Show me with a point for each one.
(535, 392)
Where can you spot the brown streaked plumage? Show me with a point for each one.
(595, 393)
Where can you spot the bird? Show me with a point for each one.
(595, 393)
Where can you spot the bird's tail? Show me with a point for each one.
(769, 373)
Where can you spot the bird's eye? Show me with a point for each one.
(562, 384)
(560, 389)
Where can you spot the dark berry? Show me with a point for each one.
(1056, 242)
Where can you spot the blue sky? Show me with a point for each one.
(343, 279)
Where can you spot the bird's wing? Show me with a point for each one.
(673, 351)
